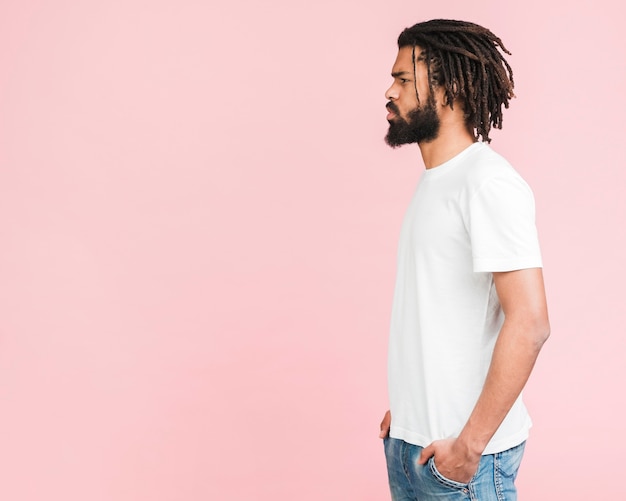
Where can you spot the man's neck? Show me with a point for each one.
(453, 138)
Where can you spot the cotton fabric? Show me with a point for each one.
(469, 217)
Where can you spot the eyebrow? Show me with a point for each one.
(397, 74)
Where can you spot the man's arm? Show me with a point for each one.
(524, 331)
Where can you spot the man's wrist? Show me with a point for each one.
(473, 446)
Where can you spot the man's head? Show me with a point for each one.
(447, 63)
(412, 107)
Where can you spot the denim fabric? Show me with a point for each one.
(409, 481)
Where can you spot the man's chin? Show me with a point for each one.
(395, 142)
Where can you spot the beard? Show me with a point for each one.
(421, 126)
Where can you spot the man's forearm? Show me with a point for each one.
(513, 359)
(525, 329)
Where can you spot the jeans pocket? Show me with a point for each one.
(453, 484)
(508, 462)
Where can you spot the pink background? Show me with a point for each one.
(198, 225)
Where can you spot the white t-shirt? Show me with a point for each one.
(469, 217)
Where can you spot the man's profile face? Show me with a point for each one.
(410, 120)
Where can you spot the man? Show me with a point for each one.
(469, 314)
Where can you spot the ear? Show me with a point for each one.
(455, 93)
(440, 96)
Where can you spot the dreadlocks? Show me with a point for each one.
(464, 59)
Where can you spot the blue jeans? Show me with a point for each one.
(409, 481)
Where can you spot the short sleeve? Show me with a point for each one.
(502, 226)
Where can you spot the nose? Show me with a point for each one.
(391, 94)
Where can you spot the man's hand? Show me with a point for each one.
(452, 459)
(385, 425)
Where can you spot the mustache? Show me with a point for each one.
(393, 108)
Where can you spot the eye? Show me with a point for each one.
(404, 80)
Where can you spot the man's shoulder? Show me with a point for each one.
(485, 165)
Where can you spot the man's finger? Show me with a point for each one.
(384, 429)
(427, 453)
